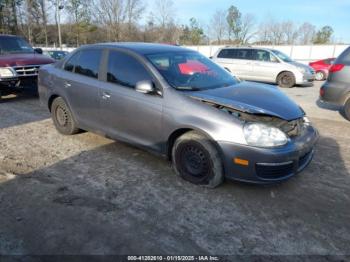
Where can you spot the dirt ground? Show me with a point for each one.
(89, 195)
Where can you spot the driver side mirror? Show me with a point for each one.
(145, 87)
(38, 50)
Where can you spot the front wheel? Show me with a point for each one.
(62, 117)
(196, 159)
(286, 80)
(347, 109)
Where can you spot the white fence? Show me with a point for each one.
(301, 53)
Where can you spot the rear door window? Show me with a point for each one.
(261, 55)
(89, 63)
(227, 53)
(71, 63)
(245, 54)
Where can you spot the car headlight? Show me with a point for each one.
(306, 121)
(6, 72)
(302, 70)
(261, 135)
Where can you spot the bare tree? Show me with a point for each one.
(218, 26)
(80, 14)
(290, 32)
(43, 9)
(29, 19)
(307, 33)
(165, 11)
(247, 28)
(271, 32)
(134, 10)
(112, 14)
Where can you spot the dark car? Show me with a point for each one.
(19, 63)
(336, 90)
(176, 102)
(56, 54)
(321, 68)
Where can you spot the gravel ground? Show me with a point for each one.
(89, 195)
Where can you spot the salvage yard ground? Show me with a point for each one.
(89, 195)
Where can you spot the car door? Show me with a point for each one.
(126, 113)
(80, 85)
(237, 60)
(265, 66)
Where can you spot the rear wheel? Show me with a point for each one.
(320, 76)
(196, 159)
(286, 80)
(347, 109)
(62, 117)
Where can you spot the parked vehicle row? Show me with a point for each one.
(19, 63)
(321, 68)
(264, 65)
(180, 104)
(336, 90)
(56, 54)
(207, 121)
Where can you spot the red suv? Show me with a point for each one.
(321, 68)
(19, 63)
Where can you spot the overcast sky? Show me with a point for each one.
(335, 13)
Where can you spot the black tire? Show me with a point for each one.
(62, 117)
(286, 80)
(347, 109)
(196, 159)
(320, 76)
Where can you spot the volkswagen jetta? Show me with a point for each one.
(178, 103)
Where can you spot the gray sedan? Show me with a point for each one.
(176, 102)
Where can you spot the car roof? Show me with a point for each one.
(248, 47)
(1, 35)
(143, 48)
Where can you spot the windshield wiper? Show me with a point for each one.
(188, 88)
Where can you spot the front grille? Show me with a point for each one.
(303, 160)
(279, 170)
(267, 171)
(28, 70)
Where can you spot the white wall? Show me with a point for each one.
(301, 53)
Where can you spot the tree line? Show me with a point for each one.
(91, 21)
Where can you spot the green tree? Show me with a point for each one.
(196, 32)
(324, 35)
(234, 22)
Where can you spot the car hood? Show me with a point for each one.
(252, 98)
(307, 67)
(24, 59)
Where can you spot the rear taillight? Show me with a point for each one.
(336, 68)
(321, 92)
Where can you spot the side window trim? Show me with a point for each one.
(78, 54)
(105, 59)
(99, 65)
(70, 59)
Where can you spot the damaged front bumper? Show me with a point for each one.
(269, 165)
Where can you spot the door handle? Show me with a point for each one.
(66, 85)
(106, 95)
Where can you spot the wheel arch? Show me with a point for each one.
(284, 71)
(51, 99)
(180, 131)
